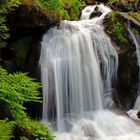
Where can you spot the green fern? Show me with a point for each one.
(15, 90)
(6, 129)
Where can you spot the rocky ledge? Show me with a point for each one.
(116, 26)
(30, 18)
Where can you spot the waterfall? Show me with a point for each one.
(79, 69)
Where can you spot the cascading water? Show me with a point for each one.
(78, 66)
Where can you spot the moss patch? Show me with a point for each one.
(115, 29)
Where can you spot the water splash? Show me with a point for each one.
(102, 125)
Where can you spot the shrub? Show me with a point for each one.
(5, 7)
(32, 129)
(15, 90)
(6, 129)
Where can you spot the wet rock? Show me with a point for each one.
(90, 2)
(29, 19)
(138, 114)
(128, 70)
(95, 13)
(125, 5)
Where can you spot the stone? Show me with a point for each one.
(128, 69)
(95, 13)
(138, 114)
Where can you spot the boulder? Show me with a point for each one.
(128, 70)
(95, 13)
(30, 19)
(138, 114)
(125, 5)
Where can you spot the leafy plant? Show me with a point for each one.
(119, 33)
(116, 29)
(5, 7)
(15, 90)
(65, 9)
(21, 48)
(33, 129)
(6, 129)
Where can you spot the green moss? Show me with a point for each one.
(21, 48)
(117, 29)
(119, 33)
(5, 7)
(66, 10)
(32, 129)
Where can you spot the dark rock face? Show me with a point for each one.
(89, 2)
(29, 19)
(125, 5)
(128, 70)
(138, 114)
(95, 13)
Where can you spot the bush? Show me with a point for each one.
(15, 90)
(5, 7)
(64, 8)
(6, 129)
(33, 130)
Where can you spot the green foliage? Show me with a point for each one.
(6, 129)
(119, 33)
(15, 90)
(5, 7)
(117, 29)
(33, 129)
(64, 8)
(75, 9)
(20, 49)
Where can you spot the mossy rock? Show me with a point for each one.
(124, 5)
(128, 67)
(29, 18)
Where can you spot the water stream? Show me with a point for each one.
(79, 69)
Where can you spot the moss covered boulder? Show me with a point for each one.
(124, 5)
(116, 26)
(30, 18)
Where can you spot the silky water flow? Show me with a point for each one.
(79, 68)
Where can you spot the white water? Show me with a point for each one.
(75, 91)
